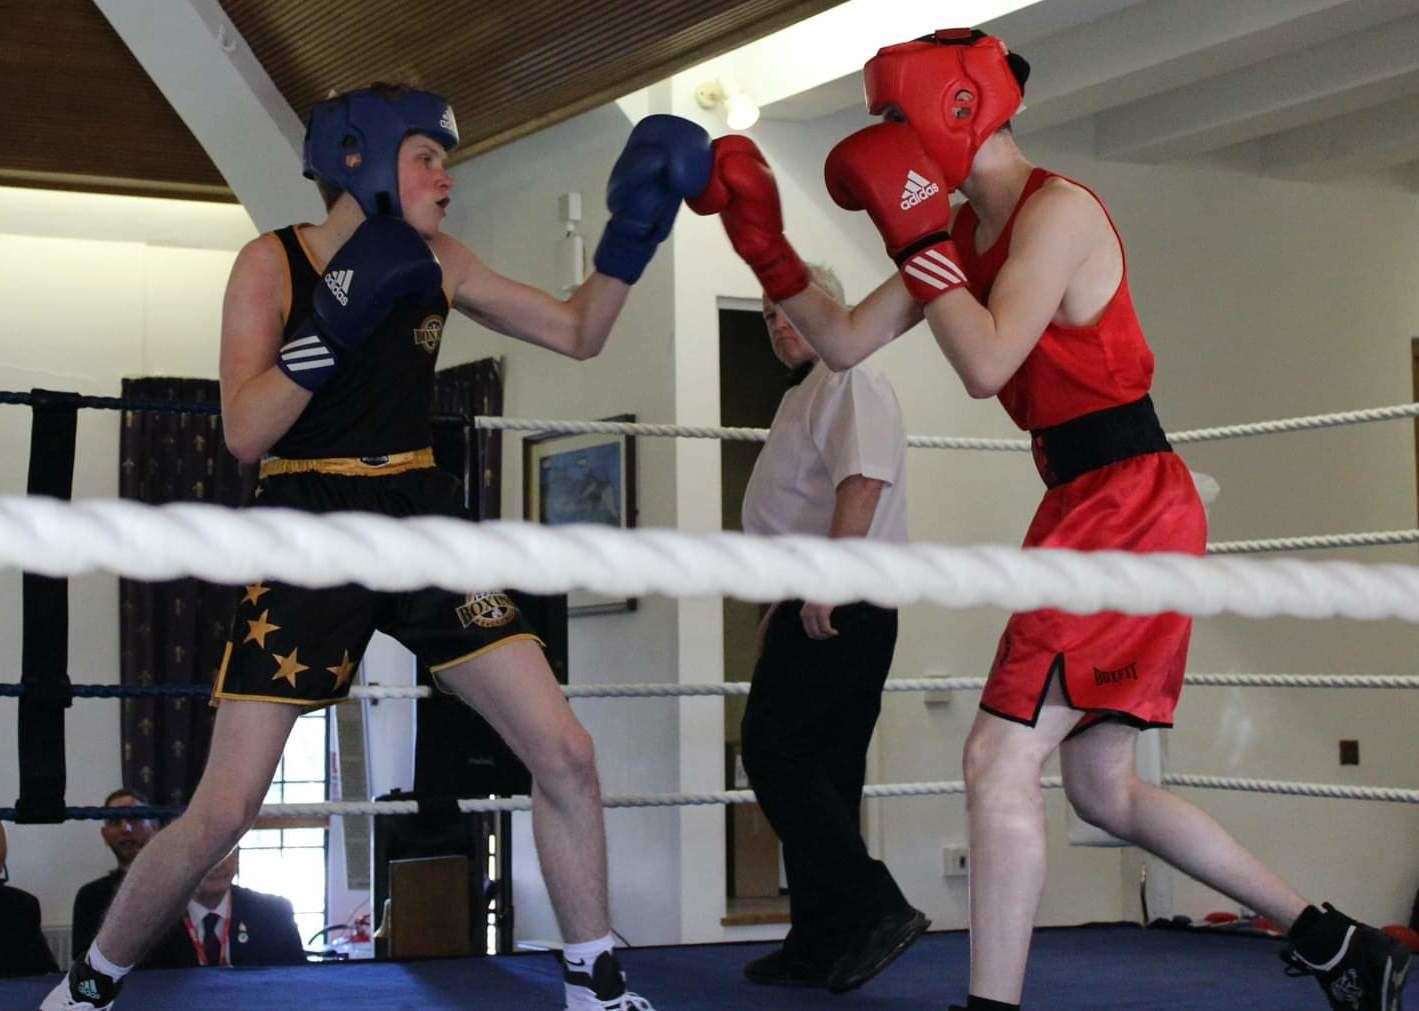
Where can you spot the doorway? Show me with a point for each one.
(751, 383)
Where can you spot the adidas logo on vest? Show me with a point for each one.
(338, 281)
(917, 189)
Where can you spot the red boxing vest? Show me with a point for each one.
(1072, 371)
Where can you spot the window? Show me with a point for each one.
(290, 860)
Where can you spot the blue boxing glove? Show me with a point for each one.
(384, 262)
(666, 159)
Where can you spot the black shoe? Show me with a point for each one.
(779, 968)
(84, 988)
(876, 947)
(1366, 974)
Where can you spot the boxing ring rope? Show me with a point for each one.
(1374, 538)
(357, 808)
(566, 427)
(653, 690)
(56, 538)
(1368, 539)
(1297, 424)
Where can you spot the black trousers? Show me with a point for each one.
(812, 709)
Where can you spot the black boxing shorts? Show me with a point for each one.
(302, 646)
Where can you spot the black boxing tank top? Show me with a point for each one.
(380, 398)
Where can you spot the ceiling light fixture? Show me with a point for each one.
(738, 110)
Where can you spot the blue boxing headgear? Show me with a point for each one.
(352, 141)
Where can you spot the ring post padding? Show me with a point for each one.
(45, 624)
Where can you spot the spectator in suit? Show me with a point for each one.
(125, 837)
(22, 948)
(226, 924)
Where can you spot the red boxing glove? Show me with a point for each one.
(743, 193)
(885, 171)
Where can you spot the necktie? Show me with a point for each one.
(211, 940)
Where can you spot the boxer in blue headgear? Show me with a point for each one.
(330, 334)
(352, 141)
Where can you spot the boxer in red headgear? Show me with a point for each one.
(1030, 303)
(957, 88)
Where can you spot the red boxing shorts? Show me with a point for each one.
(1110, 665)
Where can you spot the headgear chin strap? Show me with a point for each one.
(954, 87)
(352, 141)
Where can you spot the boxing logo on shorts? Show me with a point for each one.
(1114, 677)
(428, 333)
(487, 610)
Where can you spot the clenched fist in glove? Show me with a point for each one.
(884, 171)
(743, 193)
(665, 158)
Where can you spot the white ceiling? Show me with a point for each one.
(1301, 89)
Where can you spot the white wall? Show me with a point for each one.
(95, 288)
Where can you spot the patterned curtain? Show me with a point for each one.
(468, 390)
(172, 632)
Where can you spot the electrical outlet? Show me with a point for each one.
(955, 862)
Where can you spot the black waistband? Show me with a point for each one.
(1096, 440)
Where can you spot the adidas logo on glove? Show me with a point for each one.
(338, 281)
(917, 189)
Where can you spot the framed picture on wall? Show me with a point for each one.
(582, 479)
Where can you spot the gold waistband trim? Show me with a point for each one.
(351, 466)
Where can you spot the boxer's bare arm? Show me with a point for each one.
(577, 327)
(259, 404)
(843, 337)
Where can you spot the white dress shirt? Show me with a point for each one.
(196, 913)
(829, 427)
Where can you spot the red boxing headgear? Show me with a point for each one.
(955, 88)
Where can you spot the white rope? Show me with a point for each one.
(1334, 790)
(730, 688)
(1384, 681)
(220, 545)
(1373, 538)
(937, 788)
(654, 690)
(563, 427)
(1335, 420)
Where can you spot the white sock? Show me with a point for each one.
(97, 961)
(582, 956)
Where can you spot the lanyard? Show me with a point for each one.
(197, 941)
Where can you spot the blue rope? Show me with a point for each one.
(107, 813)
(16, 690)
(158, 406)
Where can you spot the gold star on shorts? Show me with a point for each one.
(259, 629)
(254, 592)
(343, 671)
(289, 668)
